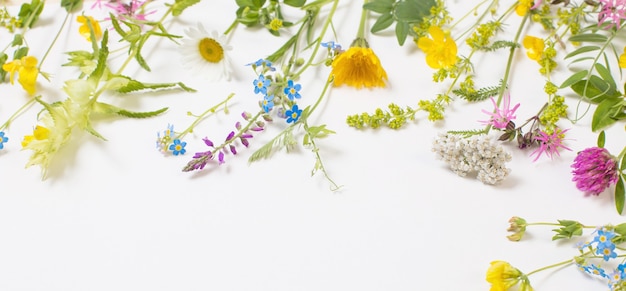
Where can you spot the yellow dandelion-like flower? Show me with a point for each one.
(534, 47)
(84, 28)
(440, 51)
(26, 67)
(206, 54)
(358, 67)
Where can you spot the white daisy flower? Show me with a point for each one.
(206, 54)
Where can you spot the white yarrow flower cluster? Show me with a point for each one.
(464, 155)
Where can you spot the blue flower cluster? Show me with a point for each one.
(272, 95)
(603, 246)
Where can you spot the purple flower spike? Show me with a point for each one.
(247, 135)
(594, 170)
(220, 157)
(233, 149)
(208, 142)
(230, 136)
(244, 141)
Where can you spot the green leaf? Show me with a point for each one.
(402, 32)
(574, 78)
(253, 4)
(3, 59)
(134, 85)
(620, 229)
(606, 75)
(595, 89)
(138, 57)
(568, 229)
(20, 52)
(413, 11)
(601, 139)
(588, 37)
(582, 50)
(181, 5)
(295, 3)
(382, 22)
(603, 116)
(105, 108)
(18, 39)
(380, 6)
(71, 5)
(620, 194)
(103, 54)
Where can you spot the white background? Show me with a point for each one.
(118, 215)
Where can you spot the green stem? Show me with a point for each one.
(360, 34)
(56, 37)
(18, 112)
(566, 262)
(231, 27)
(200, 117)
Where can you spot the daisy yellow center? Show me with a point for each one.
(211, 50)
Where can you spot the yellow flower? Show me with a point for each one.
(26, 67)
(622, 59)
(84, 28)
(358, 67)
(523, 7)
(534, 47)
(502, 276)
(440, 50)
(39, 133)
(276, 24)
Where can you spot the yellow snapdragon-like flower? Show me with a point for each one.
(502, 276)
(358, 67)
(84, 28)
(534, 47)
(440, 51)
(622, 59)
(26, 67)
(523, 7)
(39, 133)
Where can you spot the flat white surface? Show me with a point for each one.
(118, 215)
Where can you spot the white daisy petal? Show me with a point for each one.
(206, 54)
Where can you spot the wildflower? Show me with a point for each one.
(622, 59)
(39, 133)
(331, 45)
(523, 6)
(501, 117)
(613, 11)
(267, 104)
(261, 84)
(206, 53)
(550, 143)
(163, 142)
(177, 147)
(262, 63)
(130, 11)
(3, 139)
(607, 252)
(479, 154)
(502, 276)
(603, 238)
(517, 225)
(358, 67)
(293, 114)
(594, 170)
(26, 67)
(534, 47)
(292, 90)
(84, 28)
(275, 24)
(440, 51)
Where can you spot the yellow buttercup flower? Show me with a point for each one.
(502, 276)
(358, 67)
(26, 67)
(523, 7)
(534, 47)
(440, 51)
(622, 59)
(84, 28)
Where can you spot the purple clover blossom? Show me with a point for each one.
(550, 143)
(613, 11)
(594, 170)
(501, 117)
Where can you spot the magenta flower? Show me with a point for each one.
(550, 143)
(613, 11)
(501, 117)
(594, 170)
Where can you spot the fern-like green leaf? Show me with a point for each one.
(181, 5)
(468, 133)
(105, 108)
(134, 85)
(284, 140)
(479, 95)
(499, 44)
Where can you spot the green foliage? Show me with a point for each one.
(468, 133)
(405, 13)
(568, 229)
(71, 5)
(256, 13)
(601, 139)
(29, 13)
(394, 118)
(620, 194)
(480, 94)
(284, 140)
(134, 85)
(180, 6)
(105, 108)
(499, 44)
